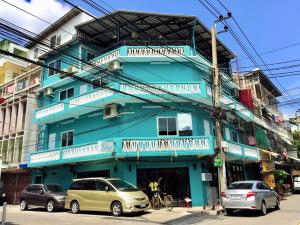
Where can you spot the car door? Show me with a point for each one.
(263, 194)
(28, 194)
(87, 194)
(38, 196)
(103, 196)
(271, 194)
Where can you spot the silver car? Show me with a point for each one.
(249, 195)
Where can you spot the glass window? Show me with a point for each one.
(68, 93)
(88, 185)
(58, 40)
(167, 126)
(89, 56)
(55, 64)
(53, 41)
(54, 188)
(261, 186)
(234, 136)
(123, 185)
(67, 138)
(242, 186)
(184, 124)
(36, 52)
(101, 185)
(77, 185)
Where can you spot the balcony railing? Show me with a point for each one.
(140, 147)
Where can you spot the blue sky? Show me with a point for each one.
(269, 24)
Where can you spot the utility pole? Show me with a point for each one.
(217, 112)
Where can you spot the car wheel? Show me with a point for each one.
(75, 207)
(23, 205)
(50, 206)
(263, 209)
(116, 209)
(277, 206)
(229, 212)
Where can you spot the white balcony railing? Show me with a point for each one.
(45, 156)
(87, 98)
(173, 88)
(50, 110)
(143, 145)
(174, 51)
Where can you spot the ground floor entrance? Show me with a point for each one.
(174, 181)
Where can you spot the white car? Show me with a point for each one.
(296, 184)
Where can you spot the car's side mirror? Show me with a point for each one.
(41, 192)
(106, 188)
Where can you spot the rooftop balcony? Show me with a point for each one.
(140, 147)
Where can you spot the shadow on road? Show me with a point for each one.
(248, 213)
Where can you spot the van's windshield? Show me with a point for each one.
(123, 185)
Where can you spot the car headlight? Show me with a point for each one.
(62, 198)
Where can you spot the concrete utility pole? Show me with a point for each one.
(217, 112)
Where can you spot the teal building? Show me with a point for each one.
(138, 107)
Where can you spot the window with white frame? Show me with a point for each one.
(55, 64)
(67, 138)
(68, 93)
(167, 126)
(185, 127)
(55, 40)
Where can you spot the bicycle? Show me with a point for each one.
(167, 201)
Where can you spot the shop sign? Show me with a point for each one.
(218, 162)
(206, 176)
(267, 166)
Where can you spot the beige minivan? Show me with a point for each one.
(107, 195)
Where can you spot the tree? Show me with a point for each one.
(296, 141)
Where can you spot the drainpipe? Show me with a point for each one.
(193, 37)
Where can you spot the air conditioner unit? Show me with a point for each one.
(115, 65)
(110, 111)
(48, 91)
(72, 69)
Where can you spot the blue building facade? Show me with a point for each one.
(145, 112)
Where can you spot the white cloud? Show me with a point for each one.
(49, 10)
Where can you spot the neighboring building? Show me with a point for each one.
(11, 67)
(260, 95)
(18, 133)
(89, 131)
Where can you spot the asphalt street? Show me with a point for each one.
(288, 215)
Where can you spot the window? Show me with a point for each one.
(67, 138)
(241, 186)
(88, 184)
(77, 185)
(52, 41)
(55, 64)
(68, 93)
(89, 56)
(261, 186)
(101, 185)
(167, 126)
(234, 136)
(184, 124)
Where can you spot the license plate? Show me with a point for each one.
(237, 197)
(143, 206)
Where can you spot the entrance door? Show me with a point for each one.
(175, 181)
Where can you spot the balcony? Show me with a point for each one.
(97, 99)
(140, 147)
(236, 150)
(124, 147)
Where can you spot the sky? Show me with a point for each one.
(269, 25)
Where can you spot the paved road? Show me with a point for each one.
(288, 215)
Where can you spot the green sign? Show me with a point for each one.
(218, 162)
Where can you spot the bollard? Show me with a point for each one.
(4, 213)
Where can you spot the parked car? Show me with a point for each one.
(2, 194)
(107, 195)
(50, 196)
(296, 184)
(249, 195)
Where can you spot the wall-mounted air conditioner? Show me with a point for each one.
(48, 91)
(115, 65)
(110, 111)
